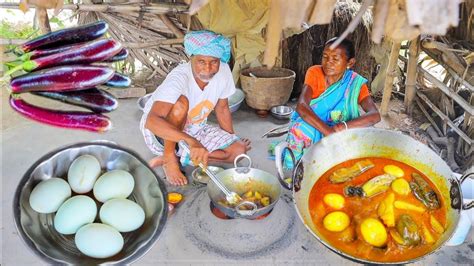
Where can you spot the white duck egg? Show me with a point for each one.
(74, 213)
(98, 240)
(82, 173)
(49, 194)
(114, 184)
(123, 214)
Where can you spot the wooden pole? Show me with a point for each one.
(428, 116)
(467, 116)
(445, 57)
(457, 78)
(445, 118)
(137, 45)
(152, 8)
(391, 73)
(43, 20)
(171, 26)
(445, 89)
(410, 83)
(380, 16)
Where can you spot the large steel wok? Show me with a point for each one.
(371, 142)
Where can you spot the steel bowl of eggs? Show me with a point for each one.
(90, 203)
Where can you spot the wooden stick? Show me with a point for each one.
(11, 41)
(322, 12)
(467, 117)
(445, 118)
(154, 27)
(436, 55)
(428, 116)
(43, 20)
(456, 97)
(410, 83)
(273, 35)
(151, 43)
(378, 26)
(460, 80)
(355, 21)
(152, 8)
(391, 73)
(174, 29)
(448, 57)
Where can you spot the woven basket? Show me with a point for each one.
(265, 88)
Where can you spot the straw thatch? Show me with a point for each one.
(153, 39)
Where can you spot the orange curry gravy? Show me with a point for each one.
(359, 208)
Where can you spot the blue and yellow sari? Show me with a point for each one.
(337, 103)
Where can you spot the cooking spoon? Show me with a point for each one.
(230, 196)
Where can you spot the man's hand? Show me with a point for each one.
(198, 153)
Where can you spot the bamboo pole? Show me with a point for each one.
(457, 78)
(380, 16)
(428, 116)
(445, 118)
(152, 8)
(391, 73)
(43, 20)
(410, 83)
(137, 45)
(444, 57)
(173, 28)
(456, 97)
(445, 89)
(467, 116)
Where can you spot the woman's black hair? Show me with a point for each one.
(346, 44)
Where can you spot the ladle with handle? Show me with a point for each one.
(230, 196)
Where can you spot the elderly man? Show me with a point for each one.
(179, 108)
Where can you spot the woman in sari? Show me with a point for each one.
(330, 100)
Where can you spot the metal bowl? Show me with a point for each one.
(200, 176)
(142, 101)
(235, 100)
(282, 112)
(38, 232)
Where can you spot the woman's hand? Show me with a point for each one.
(198, 153)
(339, 127)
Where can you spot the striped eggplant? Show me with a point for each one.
(119, 81)
(62, 37)
(94, 99)
(65, 119)
(91, 52)
(122, 55)
(63, 78)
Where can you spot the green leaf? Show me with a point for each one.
(57, 21)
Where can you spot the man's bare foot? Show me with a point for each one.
(173, 173)
(156, 161)
(247, 144)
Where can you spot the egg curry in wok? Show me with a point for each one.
(378, 209)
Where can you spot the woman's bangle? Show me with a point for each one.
(345, 124)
